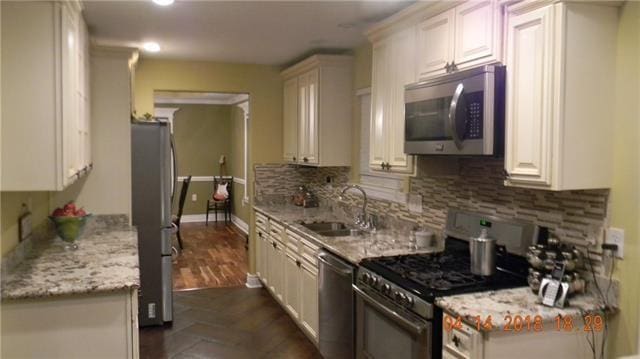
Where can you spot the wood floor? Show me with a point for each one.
(213, 256)
(223, 323)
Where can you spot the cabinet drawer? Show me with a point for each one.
(309, 252)
(276, 230)
(262, 221)
(293, 242)
(463, 342)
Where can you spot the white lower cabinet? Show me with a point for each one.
(309, 308)
(287, 265)
(91, 325)
(464, 341)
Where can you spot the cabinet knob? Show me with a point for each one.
(388, 166)
(294, 158)
(274, 245)
(446, 66)
(453, 67)
(298, 263)
(456, 340)
(260, 234)
(382, 165)
(305, 159)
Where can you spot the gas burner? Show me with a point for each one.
(440, 274)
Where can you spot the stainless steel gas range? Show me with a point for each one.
(395, 312)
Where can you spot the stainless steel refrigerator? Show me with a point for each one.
(153, 179)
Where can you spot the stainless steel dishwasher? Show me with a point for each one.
(336, 304)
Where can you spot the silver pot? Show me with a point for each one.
(483, 254)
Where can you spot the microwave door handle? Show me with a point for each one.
(452, 115)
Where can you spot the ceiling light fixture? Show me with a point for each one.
(151, 46)
(163, 2)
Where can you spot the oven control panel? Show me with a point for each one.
(393, 292)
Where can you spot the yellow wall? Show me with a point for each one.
(236, 162)
(11, 209)
(625, 195)
(262, 83)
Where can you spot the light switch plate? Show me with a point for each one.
(415, 203)
(194, 197)
(25, 226)
(616, 236)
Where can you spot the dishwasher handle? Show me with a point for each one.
(335, 264)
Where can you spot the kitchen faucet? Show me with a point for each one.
(363, 220)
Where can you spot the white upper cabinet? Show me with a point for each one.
(317, 115)
(45, 96)
(435, 44)
(290, 124)
(394, 67)
(463, 37)
(558, 95)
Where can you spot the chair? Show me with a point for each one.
(224, 205)
(176, 219)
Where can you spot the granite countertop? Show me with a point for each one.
(352, 248)
(517, 301)
(106, 260)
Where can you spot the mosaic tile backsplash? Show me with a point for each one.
(576, 217)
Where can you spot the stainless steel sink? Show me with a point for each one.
(332, 229)
(325, 226)
(341, 233)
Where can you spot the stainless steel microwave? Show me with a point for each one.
(458, 114)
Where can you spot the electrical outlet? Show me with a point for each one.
(194, 197)
(415, 203)
(616, 236)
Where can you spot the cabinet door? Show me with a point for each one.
(308, 118)
(477, 32)
(403, 73)
(309, 303)
(290, 123)
(529, 134)
(70, 107)
(278, 270)
(260, 263)
(380, 102)
(435, 44)
(292, 285)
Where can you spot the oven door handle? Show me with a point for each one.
(417, 329)
(453, 108)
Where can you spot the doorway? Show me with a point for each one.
(210, 133)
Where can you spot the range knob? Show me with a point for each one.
(374, 281)
(386, 288)
(409, 301)
(400, 297)
(366, 278)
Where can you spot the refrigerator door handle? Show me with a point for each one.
(166, 235)
(174, 167)
(167, 289)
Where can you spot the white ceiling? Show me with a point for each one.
(261, 32)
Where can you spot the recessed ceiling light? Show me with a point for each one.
(151, 46)
(163, 2)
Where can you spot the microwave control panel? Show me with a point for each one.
(474, 116)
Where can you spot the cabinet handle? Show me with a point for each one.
(305, 159)
(454, 67)
(298, 263)
(382, 165)
(294, 158)
(446, 66)
(456, 341)
(274, 245)
(260, 234)
(388, 166)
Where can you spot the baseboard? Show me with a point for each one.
(244, 227)
(253, 281)
(190, 218)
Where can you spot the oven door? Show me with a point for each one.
(384, 330)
